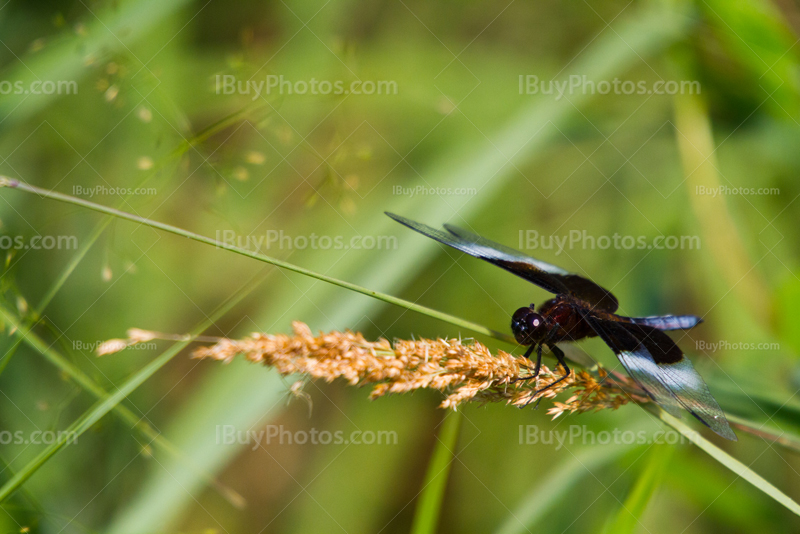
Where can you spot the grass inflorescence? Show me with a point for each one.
(465, 371)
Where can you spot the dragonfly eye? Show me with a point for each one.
(520, 317)
(527, 325)
(534, 321)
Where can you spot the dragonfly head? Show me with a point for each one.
(528, 326)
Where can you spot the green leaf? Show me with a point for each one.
(629, 514)
(429, 505)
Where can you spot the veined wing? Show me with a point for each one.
(661, 369)
(547, 276)
(667, 322)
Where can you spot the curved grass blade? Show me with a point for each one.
(16, 184)
(429, 505)
(550, 490)
(627, 518)
(59, 283)
(725, 459)
(98, 230)
(109, 402)
(26, 335)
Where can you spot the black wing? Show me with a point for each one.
(667, 322)
(660, 368)
(547, 276)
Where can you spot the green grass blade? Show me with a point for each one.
(101, 226)
(109, 402)
(758, 405)
(628, 517)
(15, 184)
(549, 491)
(429, 505)
(725, 459)
(26, 335)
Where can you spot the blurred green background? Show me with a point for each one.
(149, 109)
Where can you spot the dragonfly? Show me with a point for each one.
(583, 309)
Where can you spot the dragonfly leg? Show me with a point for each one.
(560, 355)
(538, 348)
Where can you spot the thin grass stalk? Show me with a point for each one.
(98, 230)
(457, 321)
(109, 402)
(431, 497)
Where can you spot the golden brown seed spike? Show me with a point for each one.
(464, 372)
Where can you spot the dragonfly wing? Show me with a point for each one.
(663, 371)
(550, 277)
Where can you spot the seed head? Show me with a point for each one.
(463, 371)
